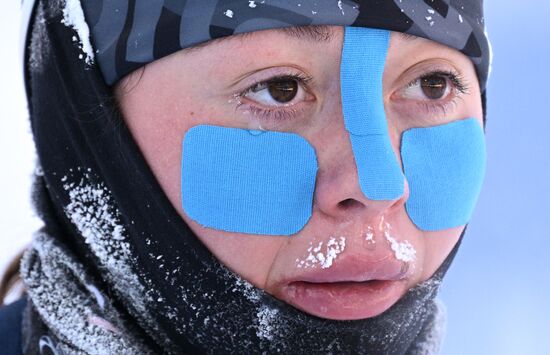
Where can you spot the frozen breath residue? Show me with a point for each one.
(316, 256)
(403, 251)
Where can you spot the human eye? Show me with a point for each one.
(278, 97)
(433, 92)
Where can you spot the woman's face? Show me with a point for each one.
(355, 257)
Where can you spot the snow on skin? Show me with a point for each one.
(73, 16)
(333, 248)
(369, 236)
(403, 251)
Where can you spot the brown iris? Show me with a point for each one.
(283, 90)
(434, 86)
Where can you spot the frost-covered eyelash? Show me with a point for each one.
(274, 113)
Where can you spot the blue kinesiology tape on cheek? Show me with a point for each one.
(253, 182)
(363, 59)
(445, 167)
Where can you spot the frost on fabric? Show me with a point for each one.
(55, 284)
(266, 326)
(341, 7)
(430, 343)
(324, 257)
(39, 41)
(246, 289)
(92, 211)
(73, 17)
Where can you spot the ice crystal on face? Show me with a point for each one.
(334, 248)
(403, 251)
(316, 257)
(73, 16)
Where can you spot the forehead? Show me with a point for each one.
(314, 34)
(315, 39)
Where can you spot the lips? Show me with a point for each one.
(354, 288)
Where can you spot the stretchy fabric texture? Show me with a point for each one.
(117, 254)
(363, 61)
(231, 177)
(128, 34)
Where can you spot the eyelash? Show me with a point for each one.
(281, 113)
(459, 87)
(275, 113)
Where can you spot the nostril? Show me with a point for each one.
(349, 203)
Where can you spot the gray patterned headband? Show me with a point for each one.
(128, 34)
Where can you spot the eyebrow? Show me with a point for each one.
(406, 36)
(321, 33)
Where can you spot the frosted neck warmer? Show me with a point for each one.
(125, 242)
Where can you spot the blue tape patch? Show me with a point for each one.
(363, 59)
(445, 167)
(254, 182)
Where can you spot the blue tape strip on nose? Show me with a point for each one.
(445, 167)
(363, 59)
(244, 181)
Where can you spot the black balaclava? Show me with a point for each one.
(116, 269)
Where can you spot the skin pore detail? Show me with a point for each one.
(293, 85)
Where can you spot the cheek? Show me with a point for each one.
(437, 246)
(158, 123)
(158, 119)
(249, 256)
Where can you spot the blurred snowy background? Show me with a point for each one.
(498, 290)
(17, 220)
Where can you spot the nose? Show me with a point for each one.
(338, 193)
